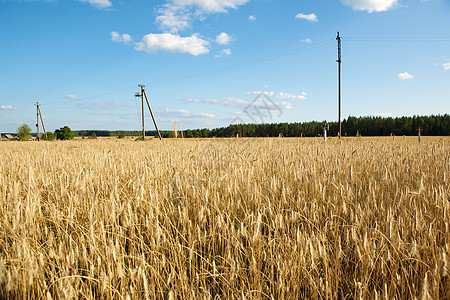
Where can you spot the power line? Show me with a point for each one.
(249, 62)
(397, 39)
(209, 72)
(91, 97)
(12, 120)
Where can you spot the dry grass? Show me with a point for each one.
(227, 219)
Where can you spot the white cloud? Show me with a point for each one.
(187, 113)
(310, 17)
(252, 18)
(254, 109)
(307, 40)
(384, 115)
(120, 38)
(105, 105)
(223, 38)
(153, 43)
(175, 15)
(371, 5)
(260, 93)
(287, 96)
(69, 97)
(405, 75)
(98, 3)
(8, 107)
(223, 52)
(207, 6)
(446, 66)
(261, 102)
(170, 19)
(225, 101)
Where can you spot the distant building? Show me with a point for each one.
(9, 137)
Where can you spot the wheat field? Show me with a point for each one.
(225, 219)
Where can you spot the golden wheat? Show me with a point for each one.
(225, 218)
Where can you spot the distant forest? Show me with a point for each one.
(352, 126)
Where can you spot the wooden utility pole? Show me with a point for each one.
(37, 120)
(39, 116)
(153, 117)
(419, 130)
(142, 95)
(338, 38)
(42, 120)
(326, 127)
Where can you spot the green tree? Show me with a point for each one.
(23, 132)
(48, 136)
(64, 133)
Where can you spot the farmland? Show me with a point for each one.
(227, 218)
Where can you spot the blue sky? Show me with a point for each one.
(210, 63)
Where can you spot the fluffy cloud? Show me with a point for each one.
(120, 38)
(371, 5)
(223, 38)
(8, 107)
(223, 52)
(255, 109)
(69, 97)
(173, 21)
(187, 114)
(446, 66)
(307, 40)
(310, 17)
(206, 6)
(252, 18)
(153, 43)
(260, 93)
(262, 101)
(105, 105)
(98, 3)
(175, 15)
(384, 115)
(287, 96)
(225, 101)
(405, 75)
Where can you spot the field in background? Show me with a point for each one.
(247, 218)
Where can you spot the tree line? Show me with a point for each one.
(437, 125)
(434, 125)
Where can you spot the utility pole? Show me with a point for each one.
(39, 116)
(419, 130)
(326, 127)
(143, 118)
(338, 38)
(37, 120)
(151, 113)
(142, 95)
(42, 120)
